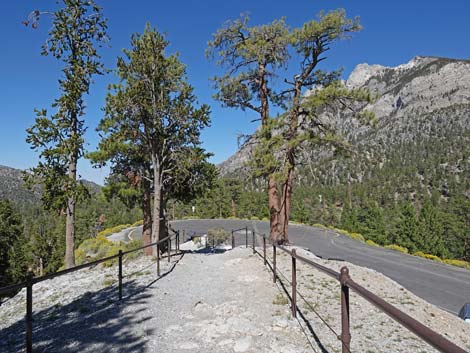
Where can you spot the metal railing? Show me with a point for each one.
(30, 281)
(431, 337)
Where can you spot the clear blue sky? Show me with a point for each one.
(394, 32)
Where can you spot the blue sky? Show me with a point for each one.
(394, 32)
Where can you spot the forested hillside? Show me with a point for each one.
(407, 179)
(32, 238)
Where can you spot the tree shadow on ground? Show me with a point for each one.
(95, 322)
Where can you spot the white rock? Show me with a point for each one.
(243, 344)
(188, 345)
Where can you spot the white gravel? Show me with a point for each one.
(214, 302)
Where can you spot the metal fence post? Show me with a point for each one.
(274, 263)
(29, 313)
(264, 249)
(294, 284)
(120, 274)
(168, 248)
(345, 329)
(246, 237)
(176, 242)
(158, 259)
(254, 241)
(233, 240)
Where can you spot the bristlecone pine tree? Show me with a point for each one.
(152, 124)
(78, 28)
(252, 57)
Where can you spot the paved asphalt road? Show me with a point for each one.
(445, 286)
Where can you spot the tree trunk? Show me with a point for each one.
(273, 202)
(234, 208)
(157, 202)
(70, 217)
(147, 216)
(273, 198)
(287, 187)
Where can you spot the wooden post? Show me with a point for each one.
(294, 284)
(246, 237)
(120, 274)
(345, 329)
(254, 241)
(29, 313)
(233, 240)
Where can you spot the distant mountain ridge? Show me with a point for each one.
(12, 187)
(422, 137)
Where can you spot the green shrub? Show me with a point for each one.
(356, 236)
(113, 230)
(217, 236)
(397, 248)
(458, 263)
(138, 223)
(318, 225)
(427, 256)
(371, 243)
(100, 247)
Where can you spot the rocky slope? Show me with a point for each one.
(423, 114)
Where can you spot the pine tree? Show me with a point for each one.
(13, 249)
(78, 28)
(152, 122)
(407, 230)
(432, 231)
(251, 56)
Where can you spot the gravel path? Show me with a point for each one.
(207, 303)
(216, 302)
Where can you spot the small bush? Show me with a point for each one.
(397, 248)
(254, 218)
(138, 223)
(427, 256)
(217, 236)
(356, 236)
(371, 243)
(109, 231)
(458, 263)
(100, 247)
(280, 300)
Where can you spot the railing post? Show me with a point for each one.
(264, 249)
(168, 249)
(274, 263)
(29, 313)
(254, 241)
(345, 329)
(120, 274)
(233, 240)
(246, 237)
(158, 259)
(294, 284)
(176, 242)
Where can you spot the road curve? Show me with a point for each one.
(445, 286)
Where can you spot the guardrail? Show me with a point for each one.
(431, 337)
(28, 284)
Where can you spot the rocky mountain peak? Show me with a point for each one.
(362, 73)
